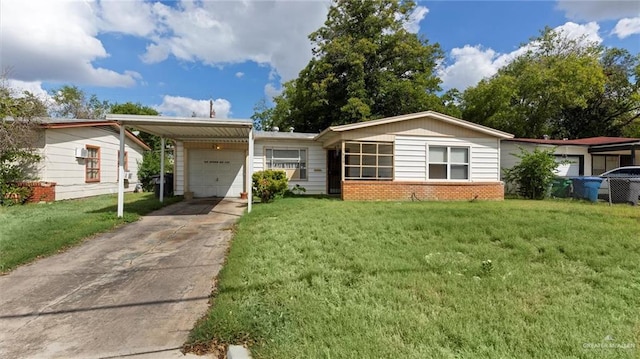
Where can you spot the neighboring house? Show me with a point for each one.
(581, 157)
(421, 156)
(81, 157)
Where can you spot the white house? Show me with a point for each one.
(81, 157)
(578, 157)
(424, 155)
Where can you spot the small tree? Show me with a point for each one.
(534, 173)
(270, 184)
(19, 135)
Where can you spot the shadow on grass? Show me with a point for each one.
(352, 275)
(141, 206)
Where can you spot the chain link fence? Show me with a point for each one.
(620, 190)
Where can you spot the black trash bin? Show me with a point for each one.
(168, 184)
(624, 190)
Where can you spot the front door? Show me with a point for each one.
(334, 172)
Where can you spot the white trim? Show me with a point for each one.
(448, 163)
(250, 173)
(121, 173)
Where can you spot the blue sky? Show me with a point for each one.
(177, 55)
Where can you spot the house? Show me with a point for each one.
(423, 156)
(580, 157)
(80, 159)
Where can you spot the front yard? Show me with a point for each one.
(34, 230)
(320, 278)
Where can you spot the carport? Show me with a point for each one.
(205, 134)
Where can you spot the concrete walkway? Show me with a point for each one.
(133, 292)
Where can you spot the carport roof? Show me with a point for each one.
(188, 128)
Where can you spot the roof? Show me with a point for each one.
(285, 135)
(430, 114)
(53, 123)
(188, 128)
(590, 141)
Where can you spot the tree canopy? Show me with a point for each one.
(365, 65)
(72, 102)
(561, 87)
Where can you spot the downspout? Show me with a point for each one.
(161, 169)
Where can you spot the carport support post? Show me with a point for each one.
(250, 172)
(121, 173)
(161, 169)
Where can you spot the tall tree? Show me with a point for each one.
(262, 116)
(610, 111)
(72, 102)
(365, 65)
(528, 96)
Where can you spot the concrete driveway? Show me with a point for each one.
(134, 292)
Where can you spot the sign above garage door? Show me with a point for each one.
(216, 173)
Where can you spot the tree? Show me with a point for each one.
(528, 96)
(534, 173)
(150, 165)
(71, 102)
(365, 65)
(611, 111)
(19, 135)
(262, 116)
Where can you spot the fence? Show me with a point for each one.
(621, 190)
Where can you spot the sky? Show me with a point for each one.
(176, 56)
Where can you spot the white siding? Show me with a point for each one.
(179, 168)
(61, 166)
(316, 166)
(509, 148)
(410, 163)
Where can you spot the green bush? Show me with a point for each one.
(534, 173)
(270, 184)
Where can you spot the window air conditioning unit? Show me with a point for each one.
(82, 153)
(128, 175)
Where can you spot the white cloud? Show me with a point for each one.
(34, 87)
(470, 64)
(270, 91)
(218, 33)
(627, 27)
(418, 14)
(127, 17)
(239, 74)
(54, 41)
(590, 10)
(184, 106)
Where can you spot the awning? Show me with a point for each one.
(188, 128)
(185, 129)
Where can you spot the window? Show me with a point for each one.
(368, 160)
(92, 164)
(291, 160)
(603, 163)
(448, 163)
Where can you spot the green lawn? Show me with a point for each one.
(320, 278)
(34, 230)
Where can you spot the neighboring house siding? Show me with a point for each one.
(411, 157)
(316, 162)
(511, 148)
(62, 167)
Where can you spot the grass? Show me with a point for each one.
(35, 230)
(318, 278)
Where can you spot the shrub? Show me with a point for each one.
(534, 173)
(269, 184)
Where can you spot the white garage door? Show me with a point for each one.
(568, 166)
(216, 173)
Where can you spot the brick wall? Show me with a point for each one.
(431, 191)
(42, 191)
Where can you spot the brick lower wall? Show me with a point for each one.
(433, 191)
(42, 191)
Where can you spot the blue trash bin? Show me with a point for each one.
(587, 187)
